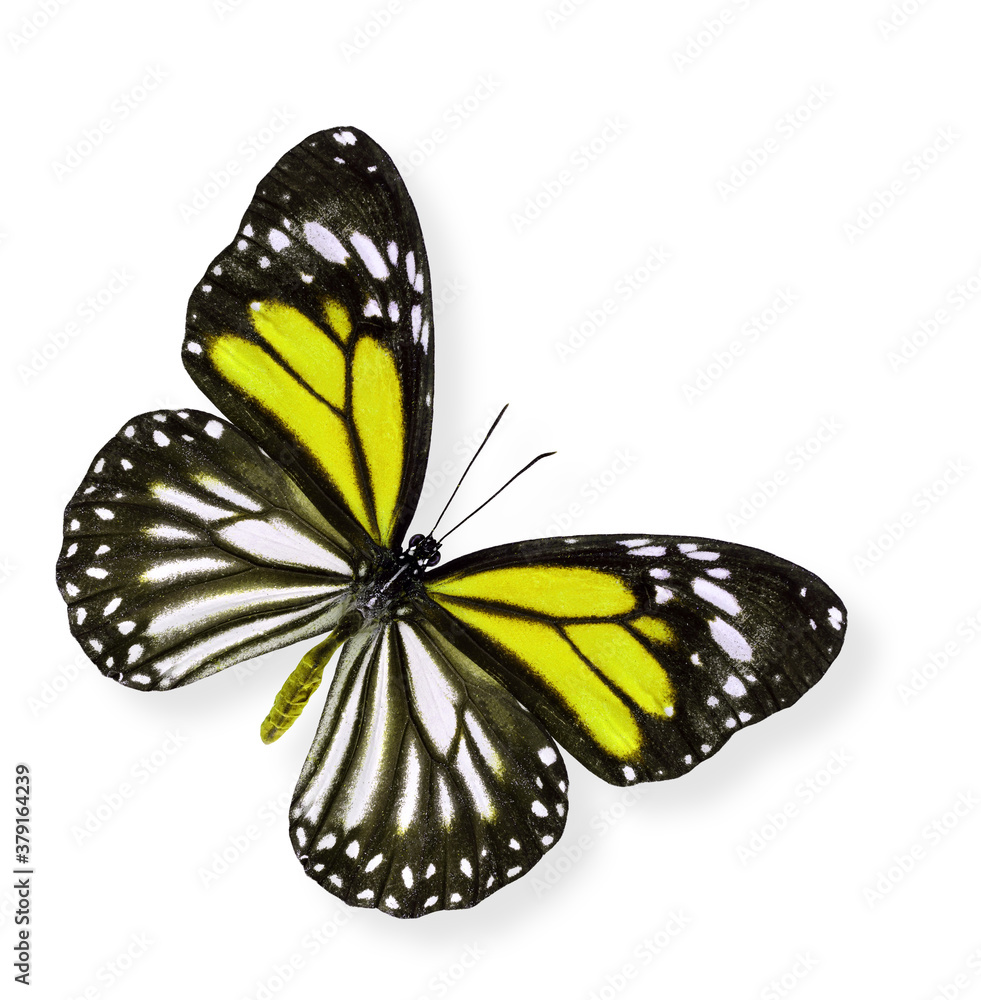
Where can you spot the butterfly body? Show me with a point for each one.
(435, 776)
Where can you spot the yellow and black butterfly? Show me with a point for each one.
(435, 776)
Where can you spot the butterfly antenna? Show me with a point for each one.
(538, 458)
(497, 420)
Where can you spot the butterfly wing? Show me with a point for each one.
(312, 331)
(187, 550)
(642, 655)
(428, 786)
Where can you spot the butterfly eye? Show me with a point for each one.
(415, 540)
(433, 559)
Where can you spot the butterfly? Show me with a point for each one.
(195, 542)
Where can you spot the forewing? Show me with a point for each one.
(642, 655)
(428, 786)
(312, 330)
(186, 550)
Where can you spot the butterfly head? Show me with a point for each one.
(423, 550)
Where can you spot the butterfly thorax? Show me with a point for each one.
(395, 579)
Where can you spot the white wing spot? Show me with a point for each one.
(629, 773)
(97, 572)
(714, 594)
(547, 839)
(214, 429)
(660, 574)
(719, 574)
(105, 515)
(372, 308)
(730, 640)
(368, 252)
(465, 867)
(734, 686)
(662, 595)
(327, 842)
(134, 653)
(547, 755)
(325, 243)
(514, 871)
(433, 900)
(538, 809)
(126, 627)
(352, 849)
(407, 876)
(393, 252)
(835, 618)
(373, 863)
(278, 240)
(393, 311)
(160, 439)
(430, 871)
(346, 138)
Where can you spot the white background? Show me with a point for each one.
(126, 911)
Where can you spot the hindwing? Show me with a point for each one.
(428, 786)
(187, 550)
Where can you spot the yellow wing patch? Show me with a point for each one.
(556, 591)
(318, 402)
(376, 405)
(625, 662)
(552, 658)
(316, 358)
